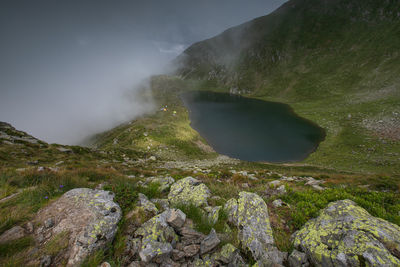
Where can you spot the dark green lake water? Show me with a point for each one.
(251, 129)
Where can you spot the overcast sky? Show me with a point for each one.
(65, 66)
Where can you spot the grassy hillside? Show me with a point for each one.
(335, 62)
(33, 174)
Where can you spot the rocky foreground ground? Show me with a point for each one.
(86, 220)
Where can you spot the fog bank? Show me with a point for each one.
(67, 66)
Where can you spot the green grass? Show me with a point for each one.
(326, 67)
(152, 190)
(164, 134)
(201, 220)
(16, 246)
(94, 260)
(307, 204)
(57, 244)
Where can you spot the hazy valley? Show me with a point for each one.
(154, 192)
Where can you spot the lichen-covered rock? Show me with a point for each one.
(163, 203)
(209, 243)
(231, 207)
(90, 218)
(226, 254)
(164, 182)
(201, 263)
(152, 249)
(297, 258)
(189, 191)
(213, 213)
(157, 237)
(345, 234)
(146, 204)
(255, 232)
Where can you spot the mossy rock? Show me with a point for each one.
(189, 191)
(345, 234)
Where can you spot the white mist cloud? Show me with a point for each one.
(170, 48)
(66, 67)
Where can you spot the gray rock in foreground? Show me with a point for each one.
(345, 234)
(250, 214)
(88, 217)
(189, 191)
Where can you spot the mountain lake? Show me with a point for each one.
(251, 129)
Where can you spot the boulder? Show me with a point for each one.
(209, 242)
(147, 205)
(164, 182)
(176, 218)
(255, 232)
(201, 263)
(345, 234)
(274, 184)
(227, 253)
(90, 218)
(191, 250)
(297, 258)
(189, 191)
(157, 237)
(152, 249)
(163, 203)
(190, 236)
(14, 233)
(311, 181)
(231, 207)
(177, 255)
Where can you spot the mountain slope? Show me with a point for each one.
(336, 62)
(341, 40)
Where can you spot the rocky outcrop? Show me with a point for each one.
(9, 135)
(146, 204)
(88, 217)
(156, 238)
(227, 254)
(168, 240)
(250, 214)
(345, 234)
(189, 191)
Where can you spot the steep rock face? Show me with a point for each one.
(345, 234)
(189, 191)
(88, 217)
